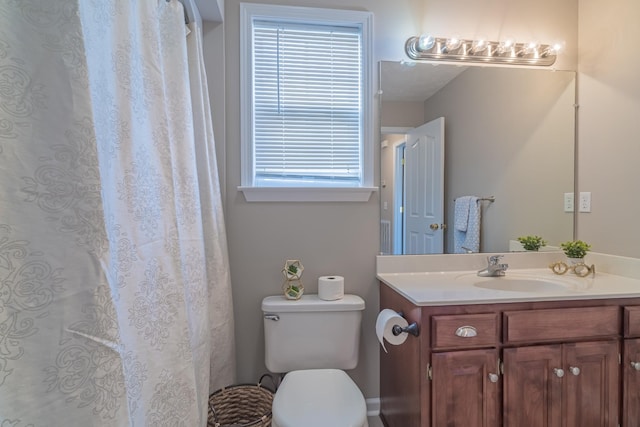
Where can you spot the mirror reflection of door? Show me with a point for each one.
(423, 193)
(398, 198)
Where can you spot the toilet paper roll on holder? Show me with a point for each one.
(412, 328)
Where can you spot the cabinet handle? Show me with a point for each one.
(493, 378)
(559, 372)
(635, 365)
(466, 332)
(574, 370)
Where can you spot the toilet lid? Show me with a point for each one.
(319, 398)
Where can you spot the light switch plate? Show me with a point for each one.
(585, 201)
(568, 202)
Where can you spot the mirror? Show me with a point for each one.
(508, 138)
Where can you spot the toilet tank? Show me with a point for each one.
(311, 333)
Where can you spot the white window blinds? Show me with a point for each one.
(307, 104)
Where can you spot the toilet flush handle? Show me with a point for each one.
(270, 316)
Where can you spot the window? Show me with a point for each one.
(306, 104)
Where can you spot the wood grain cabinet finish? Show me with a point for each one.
(562, 385)
(465, 385)
(529, 326)
(465, 331)
(532, 387)
(631, 383)
(592, 382)
(563, 363)
(632, 321)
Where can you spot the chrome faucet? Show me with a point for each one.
(494, 268)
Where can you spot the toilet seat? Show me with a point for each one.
(319, 398)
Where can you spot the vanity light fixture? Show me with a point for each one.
(454, 49)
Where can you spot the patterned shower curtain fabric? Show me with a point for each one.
(115, 298)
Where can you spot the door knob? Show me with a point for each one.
(559, 372)
(434, 227)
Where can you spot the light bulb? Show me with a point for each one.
(506, 46)
(453, 43)
(426, 42)
(479, 45)
(531, 47)
(556, 48)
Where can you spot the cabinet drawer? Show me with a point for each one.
(561, 324)
(632, 321)
(464, 331)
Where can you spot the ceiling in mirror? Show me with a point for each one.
(507, 134)
(406, 81)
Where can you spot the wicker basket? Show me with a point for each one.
(242, 405)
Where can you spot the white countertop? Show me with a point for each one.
(530, 284)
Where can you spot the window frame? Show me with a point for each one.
(252, 11)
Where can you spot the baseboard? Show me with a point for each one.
(373, 407)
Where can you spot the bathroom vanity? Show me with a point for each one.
(533, 350)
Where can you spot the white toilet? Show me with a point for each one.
(312, 340)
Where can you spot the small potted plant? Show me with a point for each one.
(292, 269)
(292, 272)
(293, 289)
(575, 250)
(532, 243)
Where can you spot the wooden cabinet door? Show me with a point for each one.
(465, 387)
(631, 384)
(532, 386)
(592, 374)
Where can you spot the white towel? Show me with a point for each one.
(469, 237)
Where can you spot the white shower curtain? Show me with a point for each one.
(115, 297)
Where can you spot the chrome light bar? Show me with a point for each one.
(426, 47)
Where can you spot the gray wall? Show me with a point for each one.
(609, 138)
(339, 238)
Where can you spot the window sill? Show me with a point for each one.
(307, 194)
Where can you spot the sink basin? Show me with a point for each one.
(516, 282)
(519, 284)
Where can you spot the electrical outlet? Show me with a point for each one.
(585, 201)
(568, 202)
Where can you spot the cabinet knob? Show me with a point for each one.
(559, 372)
(574, 370)
(635, 365)
(466, 332)
(493, 378)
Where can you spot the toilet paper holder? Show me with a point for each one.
(410, 329)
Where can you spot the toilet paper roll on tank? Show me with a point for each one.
(330, 288)
(385, 322)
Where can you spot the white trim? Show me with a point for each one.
(373, 407)
(307, 194)
(248, 12)
(246, 112)
(391, 130)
